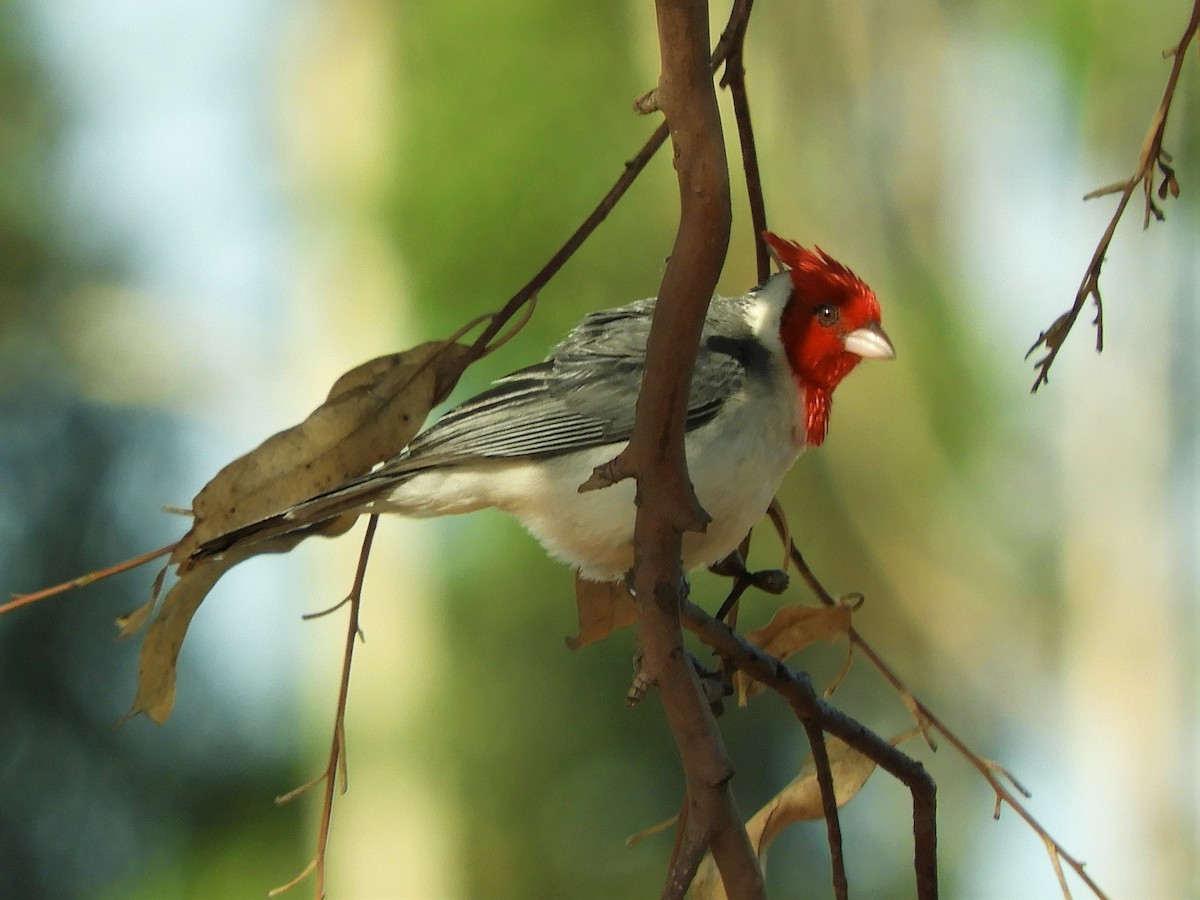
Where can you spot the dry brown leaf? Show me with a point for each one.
(603, 607)
(799, 801)
(133, 622)
(790, 630)
(160, 647)
(371, 413)
(842, 672)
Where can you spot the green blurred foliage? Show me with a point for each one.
(31, 259)
(515, 120)
(89, 809)
(501, 159)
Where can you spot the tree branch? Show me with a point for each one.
(927, 722)
(833, 826)
(735, 80)
(731, 39)
(655, 456)
(1152, 157)
(337, 749)
(797, 690)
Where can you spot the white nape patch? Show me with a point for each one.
(765, 306)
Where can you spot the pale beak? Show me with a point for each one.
(869, 342)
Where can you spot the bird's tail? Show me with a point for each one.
(315, 515)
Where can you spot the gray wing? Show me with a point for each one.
(584, 394)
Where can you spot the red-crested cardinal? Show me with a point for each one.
(761, 392)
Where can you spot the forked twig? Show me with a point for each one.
(1153, 158)
(797, 689)
(927, 721)
(337, 748)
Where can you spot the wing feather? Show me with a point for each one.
(583, 395)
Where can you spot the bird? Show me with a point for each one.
(761, 393)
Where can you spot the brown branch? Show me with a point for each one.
(19, 600)
(926, 720)
(833, 825)
(1153, 157)
(337, 748)
(731, 37)
(798, 691)
(735, 80)
(775, 582)
(655, 456)
(633, 168)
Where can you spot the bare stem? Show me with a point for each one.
(926, 720)
(833, 827)
(798, 691)
(337, 747)
(19, 600)
(1152, 157)
(735, 79)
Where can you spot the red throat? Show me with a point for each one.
(817, 402)
(818, 366)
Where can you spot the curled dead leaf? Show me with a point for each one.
(603, 607)
(799, 801)
(133, 622)
(790, 630)
(842, 672)
(160, 647)
(371, 413)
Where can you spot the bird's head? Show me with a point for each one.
(829, 324)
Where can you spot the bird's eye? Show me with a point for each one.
(827, 315)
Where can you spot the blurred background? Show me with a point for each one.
(208, 210)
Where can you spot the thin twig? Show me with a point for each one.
(797, 689)
(735, 27)
(1152, 157)
(833, 826)
(633, 168)
(927, 721)
(735, 80)
(337, 749)
(19, 600)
